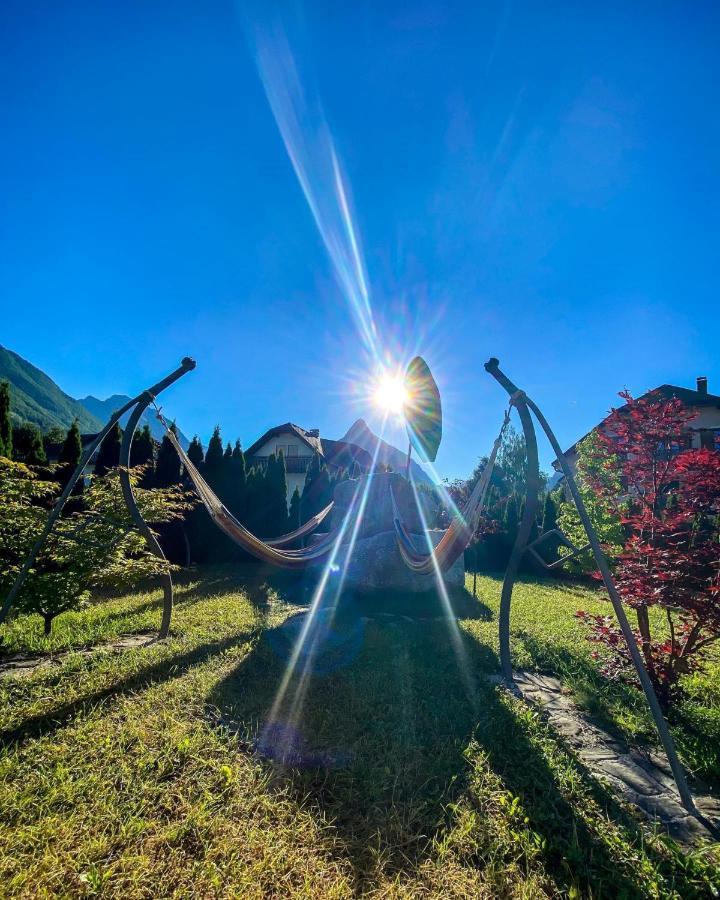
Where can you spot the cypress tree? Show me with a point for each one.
(143, 448)
(310, 493)
(27, 444)
(214, 458)
(323, 494)
(277, 495)
(167, 468)
(108, 456)
(195, 452)
(254, 499)
(6, 433)
(294, 514)
(239, 463)
(72, 446)
(549, 547)
(237, 481)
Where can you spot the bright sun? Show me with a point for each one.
(390, 394)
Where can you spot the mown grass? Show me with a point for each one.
(395, 767)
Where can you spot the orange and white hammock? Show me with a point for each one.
(267, 551)
(459, 534)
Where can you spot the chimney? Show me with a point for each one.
(315, 432)
(701, 384)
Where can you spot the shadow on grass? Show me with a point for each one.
(166, 669)
(386, 725)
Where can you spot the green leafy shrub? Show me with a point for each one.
(93, 547)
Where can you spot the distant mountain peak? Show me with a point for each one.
(103, 409)
(362, 435)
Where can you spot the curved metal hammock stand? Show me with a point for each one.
(141, 402)
(525, 406)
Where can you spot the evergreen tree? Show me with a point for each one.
(549, 547)
(276, 495)
(36, 455)
(27, 445)
(142, 451)
(54, 435)
(214, 459)
(6, 432)
(236, 482)
(72, 446)
(549, 521)
(167, 468)
(510, 521)
(313, 488)
(239, 463)
(195, 452)
(108, 456)
(227, 455)
(294, 515)
(254, 489)
(323, 491)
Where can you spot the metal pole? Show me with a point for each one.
(604, 568)
(185, 366)
(136, 515)
(532, 488)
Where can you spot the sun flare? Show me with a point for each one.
(390, 394)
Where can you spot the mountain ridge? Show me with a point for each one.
(103, 409)
(361, 434)
(36, 398)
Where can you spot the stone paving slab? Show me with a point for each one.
(641, 777)
(20, 665)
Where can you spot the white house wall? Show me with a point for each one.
(283, 442)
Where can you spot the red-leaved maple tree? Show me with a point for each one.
(669, 506)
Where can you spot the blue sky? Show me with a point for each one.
(532, 181)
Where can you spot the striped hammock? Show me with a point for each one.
(459, 534)
(267, 551)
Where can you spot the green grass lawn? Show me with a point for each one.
(399, 769)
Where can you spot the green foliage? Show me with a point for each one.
(6, 442)
(92, 547)
(108, 456)
(27, 444)
(318, 488)
(214, 459)
(72, 446)
(195, 452)
(142, 451)
(294, 514)
(602, 514)
(239, 475)
(167, 467)
(276, 496)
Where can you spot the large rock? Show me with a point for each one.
(375, 562)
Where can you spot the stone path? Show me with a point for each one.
(641, 777)
(20, 665)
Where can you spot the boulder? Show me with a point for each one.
(375, 562)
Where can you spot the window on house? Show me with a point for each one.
(292, 450)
